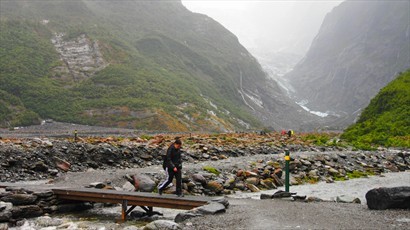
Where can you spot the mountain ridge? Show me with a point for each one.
(359, 49)
(160, 67)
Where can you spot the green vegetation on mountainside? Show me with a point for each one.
(26, 60)
(386, 121)
(160, 70)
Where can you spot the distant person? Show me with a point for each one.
(173, 167)
(283, 132)
(290, 133)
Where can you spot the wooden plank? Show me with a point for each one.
(132, 198)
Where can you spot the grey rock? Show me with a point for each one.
(182, 216)
(281, 194)
(305, 162)
(47, 143)
(145, 183)
(98, 185)
(333, 171)
(221, 200)
(27, 211)
(73, 207)
(199, 178)
(128, 187)
(46, 221)
(265, 196)
(43, 194)
(40, 167)
(313, 173)
(131, 228)
(313, 199)
(5, 211)
(293, 181)
(240, 185)
(347, 199)
(211, 208)
(20, 199)
(252, 180)
(162, 225)
(342, 155)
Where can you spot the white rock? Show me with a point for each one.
(46, 221)
(162, 224)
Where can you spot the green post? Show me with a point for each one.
(287, 159)
(75, 135)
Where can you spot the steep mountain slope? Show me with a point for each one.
(135, 64)
(360, 47)
(386, 121)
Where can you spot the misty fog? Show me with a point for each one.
(269, 28)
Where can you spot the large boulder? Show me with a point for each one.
(20, 199)
(27, 211)
(143, 183)
(389, 198)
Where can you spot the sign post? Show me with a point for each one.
(287, 160)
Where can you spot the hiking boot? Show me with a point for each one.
(160, 192)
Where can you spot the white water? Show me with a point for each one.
(317, 113)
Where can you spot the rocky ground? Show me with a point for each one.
(215, 165)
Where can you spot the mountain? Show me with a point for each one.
(386, 120)
(360, 47)
(135, 64)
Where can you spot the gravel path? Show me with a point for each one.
(281, 214)
(248, 212)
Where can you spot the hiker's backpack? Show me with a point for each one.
(164, 159)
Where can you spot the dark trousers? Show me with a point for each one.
(168, 180)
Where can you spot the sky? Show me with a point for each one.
(266, 26)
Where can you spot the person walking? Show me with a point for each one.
(173, 168)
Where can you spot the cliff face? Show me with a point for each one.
(80, 57)
(360, 47)
(135, 64)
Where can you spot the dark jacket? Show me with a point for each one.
(173, 158)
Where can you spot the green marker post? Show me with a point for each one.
(75, 135)
(287, 160)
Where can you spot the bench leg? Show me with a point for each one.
(124, 210)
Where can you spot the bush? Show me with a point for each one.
(211, 170)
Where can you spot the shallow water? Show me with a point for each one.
(329, 191)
